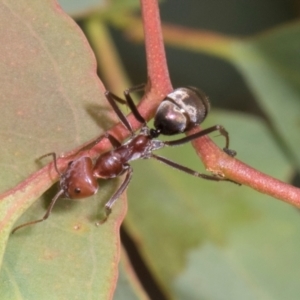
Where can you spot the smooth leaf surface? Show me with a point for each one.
(176, 218)
(66, 257)
(51, 100)
(270, 64)
(49, 83)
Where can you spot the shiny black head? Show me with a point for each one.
(181, 110)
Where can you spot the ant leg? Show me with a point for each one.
(118, 193)
(131, 104)
(114, 142)
(112, 98)
(206, 131)
(53, 154)
(47, 214)
(188, 170)
(136, 88)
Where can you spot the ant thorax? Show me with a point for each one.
(142, 144)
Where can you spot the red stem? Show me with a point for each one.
(158, 73)
(159, 83)
(218, 162)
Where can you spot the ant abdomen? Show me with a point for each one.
(181, 110)
(78, 180)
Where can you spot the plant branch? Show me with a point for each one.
(159, 83)
(218, 162)
(215, 160)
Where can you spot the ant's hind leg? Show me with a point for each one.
(190, 171)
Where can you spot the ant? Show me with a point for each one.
(179, 111)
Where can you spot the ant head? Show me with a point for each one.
(78, 181)
(181, 110)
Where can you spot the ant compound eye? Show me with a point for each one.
(77, 190)
(181, 110)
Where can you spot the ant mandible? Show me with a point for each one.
(180, 111)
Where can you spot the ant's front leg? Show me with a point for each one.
(45, 217)
(53, 154)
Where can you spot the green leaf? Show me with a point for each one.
(270, 64)
(225, 242)
(51, 100)
(222, 239)
(66, 256)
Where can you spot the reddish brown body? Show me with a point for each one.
(181, 110)
(114, 163)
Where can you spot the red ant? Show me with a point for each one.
(180, 111)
